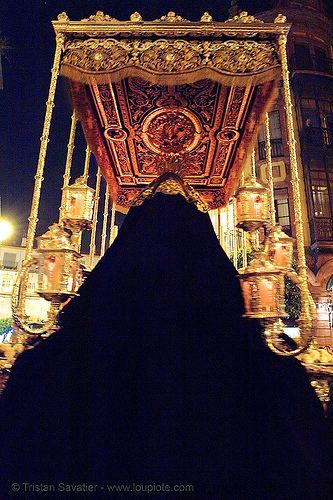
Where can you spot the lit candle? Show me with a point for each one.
(267, 292)
(52, 266)
(281, 255)
(71, 282)
(77, 205)
(246, 287)
(255, 206)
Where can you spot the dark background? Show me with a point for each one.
(26, 65)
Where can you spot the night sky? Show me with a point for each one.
(26, 76)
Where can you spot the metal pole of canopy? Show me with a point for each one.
(33, 219)
(69, 158)
(94, 224)
(105, 219)
(269, 169)
(19, 293)
(234, 234)
(228, 233)
(295, 180)
(86, 165)
(113, 218)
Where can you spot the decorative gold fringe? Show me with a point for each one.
(197, 74)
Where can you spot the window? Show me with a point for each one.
(6, 282)
(276, 170)
(320, 194)
(310, 112)
(275, 136)
(9, 260)
(321, 60)
(282, 209)
(317, 119)
(326, 119)
(302, 56)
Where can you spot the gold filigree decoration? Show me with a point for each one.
(171, 17)
(280, 18)
(63, 17)
(243, 17)
(170, 183)
(56, 238)
(170, 131)
(171, 56)
(180, 164)
(136, 17)
(99, 17)
(97, 55)
(244, 56)
(206, 18)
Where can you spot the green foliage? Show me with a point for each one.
(293, 299)
(5, 324)
(249, 257)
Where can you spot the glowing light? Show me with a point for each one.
(5, 229)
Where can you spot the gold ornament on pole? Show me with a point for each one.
(94, 220)
(105, 219)
(279, 248)
(263, 289)
(252, 205)
(77, 208)
(68, 166)
(59, 275)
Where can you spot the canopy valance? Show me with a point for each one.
(146, 90)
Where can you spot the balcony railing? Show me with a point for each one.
(8, 265)
(321, 229)
(277, 148)
(311, 63)
(316, 136)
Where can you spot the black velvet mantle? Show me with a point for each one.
(155, 378)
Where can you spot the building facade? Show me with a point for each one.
(11, 259)
(310, 55)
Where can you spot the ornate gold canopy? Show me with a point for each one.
(171, 88)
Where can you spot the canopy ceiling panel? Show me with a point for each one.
(171, 94)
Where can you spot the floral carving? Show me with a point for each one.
(201, 97)
(136, 17)
(141, 97)
(206, 18)
(237, 99)
(171, 18)
(146, 160)
(171, 56)
(244, 56)
(120, 149)
(63, 17)
(107, 103)
(243, 17)
(99, 17)
(97, 55)
(221, 159)
(171, 132)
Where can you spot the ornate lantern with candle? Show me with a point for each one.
(252, 205)
(77, 207)
(59, 275)
(263, 289)
(279, 248)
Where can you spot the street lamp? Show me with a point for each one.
(5, 230)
